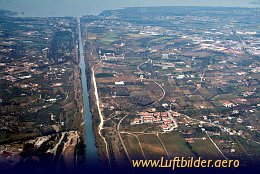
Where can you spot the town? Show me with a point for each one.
(166, 118)
(175, 81)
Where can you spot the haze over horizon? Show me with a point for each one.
(82, 7)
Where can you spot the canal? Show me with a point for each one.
(91, 149)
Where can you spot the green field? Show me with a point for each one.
(109, 38)
(176, 145)
(206, 149)
(152, 146)
(132, 146)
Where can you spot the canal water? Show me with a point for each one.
(91, 149)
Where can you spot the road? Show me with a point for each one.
(162, 91)
(138, 67)
(163, 145)
(140, 145)
(122, 142)
(100, 126)
(221, 127)
(216, 146)
(201, 80)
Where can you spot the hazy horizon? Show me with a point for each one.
(83, 7)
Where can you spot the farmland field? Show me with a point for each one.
(132, 146)
(211, 152)
(176, 145)
(152, 146)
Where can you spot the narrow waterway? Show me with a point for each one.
(91, 149)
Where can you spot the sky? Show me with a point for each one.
(83, 7)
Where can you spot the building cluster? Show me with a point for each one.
(165, 119)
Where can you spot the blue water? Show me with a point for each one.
(46, 8)
(91, 149)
